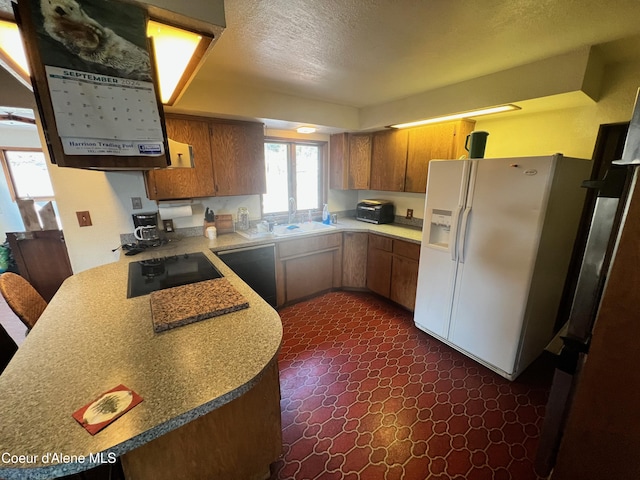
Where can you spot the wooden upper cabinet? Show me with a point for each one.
(359, 161)
(184, 182)
(238, 158)
(438, 141)
(463, 128)
(339, 161)
(350, 161)
(389, 160)
(228, 160)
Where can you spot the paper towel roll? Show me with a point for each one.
(175, 212)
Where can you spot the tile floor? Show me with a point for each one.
(366, 395)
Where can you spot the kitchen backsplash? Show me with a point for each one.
(196, 231)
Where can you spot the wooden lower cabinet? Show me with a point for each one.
(237, 441)
(354, 259)
(309, 274)
(404, 273)
(392, 269)
(307, 266)
(379, 259)
(350, 260)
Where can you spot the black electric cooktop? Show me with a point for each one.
(146, 276)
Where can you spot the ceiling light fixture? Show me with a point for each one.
(458, 116)
(305, 130)
(12, 56)
(177, 53)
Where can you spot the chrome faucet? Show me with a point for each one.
(292, 210)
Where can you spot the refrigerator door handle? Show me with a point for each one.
(463, 232)
(453, 243)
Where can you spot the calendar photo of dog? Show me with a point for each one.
(95, 36)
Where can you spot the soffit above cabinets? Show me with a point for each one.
(346, 56)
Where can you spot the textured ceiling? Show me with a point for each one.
(367, 52)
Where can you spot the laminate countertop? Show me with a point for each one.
(392, 230)
(91, 338)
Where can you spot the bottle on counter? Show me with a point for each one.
(243, 218)
(326, 216)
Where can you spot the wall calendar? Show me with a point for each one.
(94, 80)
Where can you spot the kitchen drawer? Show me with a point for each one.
(293, 248)
(406, 249)
(380, 243)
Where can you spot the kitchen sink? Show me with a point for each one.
(287, 230)
(300, 229)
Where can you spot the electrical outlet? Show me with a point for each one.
(136, 202)
(84, 219)
(168, 225)
(409, 213)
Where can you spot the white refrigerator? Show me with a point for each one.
(496, 244)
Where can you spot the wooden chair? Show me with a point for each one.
(22, 298)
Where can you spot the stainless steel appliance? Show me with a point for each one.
(375, 211)
(607, 221)
(146, 276)
(256, 266)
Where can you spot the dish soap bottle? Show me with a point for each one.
(326, 216)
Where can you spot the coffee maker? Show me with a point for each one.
(146, 228)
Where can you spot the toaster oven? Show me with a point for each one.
(375, 211)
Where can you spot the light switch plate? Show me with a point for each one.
(136, 202)
(84, 219)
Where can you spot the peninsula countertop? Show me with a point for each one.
(91, 338)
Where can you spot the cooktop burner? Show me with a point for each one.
(146, 276)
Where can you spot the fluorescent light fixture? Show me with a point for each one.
(12, 56)
(177, 55)
(458, 116)
(305, 130)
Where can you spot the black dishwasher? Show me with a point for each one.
(256, 266)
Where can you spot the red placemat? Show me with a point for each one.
(106, 408)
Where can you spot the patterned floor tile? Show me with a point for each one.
(367, 396)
